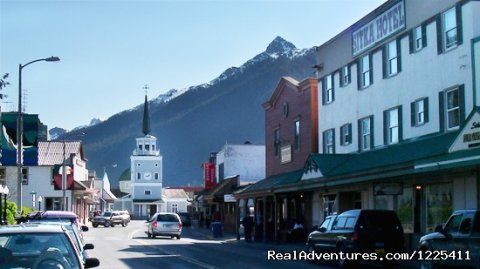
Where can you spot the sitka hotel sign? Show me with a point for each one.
(379, 28)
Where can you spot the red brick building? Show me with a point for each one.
(291, 125)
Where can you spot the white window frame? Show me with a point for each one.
(345, 133)
(365, 69)
(365, 135)
(328, 89)
(393, 126)
(329, 142)
(419, 112)
(392, 58)
(452, 109)
(418, 34)
(345, 75)
(449, 24)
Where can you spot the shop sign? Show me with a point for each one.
(378, 29)
(286, 154)
(469, 137)
(229, 198)
(390, 188)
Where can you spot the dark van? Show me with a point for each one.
(358, 231)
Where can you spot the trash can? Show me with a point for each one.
(217, 229)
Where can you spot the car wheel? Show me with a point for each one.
(178, 237)
(95, 225)
(107, 224)
(427, 264)
(343, 263)
(311, 249)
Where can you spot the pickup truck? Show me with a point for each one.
(459, 237)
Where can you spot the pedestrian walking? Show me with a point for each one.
(247, 227)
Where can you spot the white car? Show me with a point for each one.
(164, 224)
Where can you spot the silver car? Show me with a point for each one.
(164, 224)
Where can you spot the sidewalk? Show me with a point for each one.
(231, 238)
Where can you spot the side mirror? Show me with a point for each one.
(322, 229)
(84, 228)
(91, 262)
(88, 246)
(439, 229)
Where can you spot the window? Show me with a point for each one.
(148, 192)
(139, 176)
(157, 176)
(418, 38)
(449, 29)
(392, 121)
(328, 94)
(329, 141)
(147, 147)
(153, 147)
(174, 208)
(365, 133)
(365, 72)
(345, 76)
(24, 176)
(276, 141)
(296, 134)
(419, 112)
(346, 134)
(140, 146)
(453, 109)
(392, 58)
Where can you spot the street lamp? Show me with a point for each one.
(40, 199)
(20, 128)
(4, 191)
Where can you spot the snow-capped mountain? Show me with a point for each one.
(192, 122)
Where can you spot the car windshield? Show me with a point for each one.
(28, 250)
(107, 214)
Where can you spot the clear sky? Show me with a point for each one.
(110, 49)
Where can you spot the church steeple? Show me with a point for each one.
(146, 118)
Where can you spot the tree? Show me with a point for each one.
(3, 84)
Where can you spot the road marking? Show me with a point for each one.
(172, 254)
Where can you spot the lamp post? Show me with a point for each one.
(40, 199)
(3, 204)
(20, 128)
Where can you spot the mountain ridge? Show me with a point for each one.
(192, 122)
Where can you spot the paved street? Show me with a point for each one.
(129, 247)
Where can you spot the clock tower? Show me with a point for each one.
(146, 171)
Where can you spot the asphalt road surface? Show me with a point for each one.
(128, 247)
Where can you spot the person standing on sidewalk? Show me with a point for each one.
(247, 226)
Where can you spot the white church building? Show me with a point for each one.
(145, 190)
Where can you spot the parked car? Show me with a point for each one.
(111, 218)
(186, 218)
(358, 231)
(459, 235)
(75, 234)
(40, 246)
(165, 224)
(56, 216)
